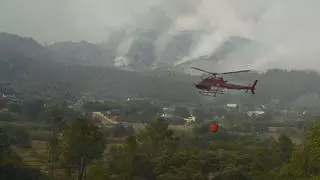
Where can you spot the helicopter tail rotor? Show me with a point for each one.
(253, 87)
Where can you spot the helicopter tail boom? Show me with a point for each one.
(253, 87)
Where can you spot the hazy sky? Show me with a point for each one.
(289, 29)
(56, 20)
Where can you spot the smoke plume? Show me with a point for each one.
(286, 30)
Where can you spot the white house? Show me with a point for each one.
(255, 113)
(231, 106)
(190, 119)
(166, 115)
(167, 112)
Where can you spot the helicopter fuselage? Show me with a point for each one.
(214, 84)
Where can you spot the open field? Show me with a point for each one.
(35, 156)
(39, 135)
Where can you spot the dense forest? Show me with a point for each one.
(83, 150)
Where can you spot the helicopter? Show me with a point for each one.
(213, 85)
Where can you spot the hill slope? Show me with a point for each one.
(35, 72)
(37, 78)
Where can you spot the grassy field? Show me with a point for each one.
(36, 156)
(39, 135)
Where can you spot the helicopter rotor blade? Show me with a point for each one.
(204, 71)
(232, 72)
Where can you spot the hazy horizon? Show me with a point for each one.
(286, 29)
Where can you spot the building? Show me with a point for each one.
(230, 107)
(255, 113)
(167, 112)
(190, 119)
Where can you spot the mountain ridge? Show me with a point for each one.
(46, 76)
(144, 50)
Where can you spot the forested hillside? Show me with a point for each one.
(36, 72)
(37, 78)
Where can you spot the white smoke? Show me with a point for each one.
(286, 29)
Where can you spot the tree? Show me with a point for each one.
(154, 135)
(56, 121)
(128, 163)
(286, 147)
(97, 171)
(231, 173)
(304, 162)
(4, 142)
(262, 163)
(7, 156)
(313, 150)
(12, 171)
(83, 142)
(131, 151)
(127, 158)
(19, 136)
(187, 164)
(297, 166)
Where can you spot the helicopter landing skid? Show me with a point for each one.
(211, 93)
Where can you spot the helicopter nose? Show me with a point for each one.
(198, 86)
